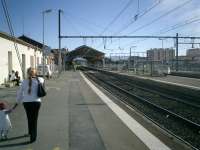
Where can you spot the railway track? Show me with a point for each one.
(185, 96)
(178, 117)
(193, 103)
(178, 106)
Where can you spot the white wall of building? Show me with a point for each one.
(194, 52)
(7, 46)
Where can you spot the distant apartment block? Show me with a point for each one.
(161, 54)
(194, 52)
(194, 55)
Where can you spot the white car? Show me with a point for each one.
(47, 71)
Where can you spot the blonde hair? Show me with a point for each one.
(31, 72)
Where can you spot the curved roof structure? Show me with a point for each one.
(86, 52)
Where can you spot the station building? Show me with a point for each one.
(93, 57)
(55, 54)
(29, 54)
(194, 54)
(48, 55)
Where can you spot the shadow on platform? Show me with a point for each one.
(14, 144)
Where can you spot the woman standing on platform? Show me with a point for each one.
(27, 94)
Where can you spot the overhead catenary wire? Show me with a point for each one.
(8, 19)
(6, 15)
(84, 20)
(127, 36)
(187, 22)
(160, 17)
(117, 16)
(67, 19)
(176, 26)
(86, 27)
(140, 15)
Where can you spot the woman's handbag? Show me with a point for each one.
(41, 90)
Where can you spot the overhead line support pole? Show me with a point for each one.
(43, 55)
(59, 41)
(177, 51)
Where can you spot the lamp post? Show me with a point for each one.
(130, 57)
(162, 39)
(59, 41)
(43, 55)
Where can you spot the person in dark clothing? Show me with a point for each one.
(17, 78)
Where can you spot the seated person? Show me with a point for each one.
(17, 78)
(12, 76)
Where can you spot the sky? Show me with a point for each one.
(92, 17)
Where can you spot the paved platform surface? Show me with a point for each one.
(74, 117)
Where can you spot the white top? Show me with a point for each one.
(12, 77)
(24, 96)
(5, 123)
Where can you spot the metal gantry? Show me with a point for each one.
(131, 36)
(177, 37)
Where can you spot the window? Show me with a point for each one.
(38, 60)
(32, 61)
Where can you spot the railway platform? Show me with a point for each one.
(187, 82)
(79, 115)
(182, 81)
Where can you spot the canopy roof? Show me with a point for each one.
(86, 52)
(31, 41)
